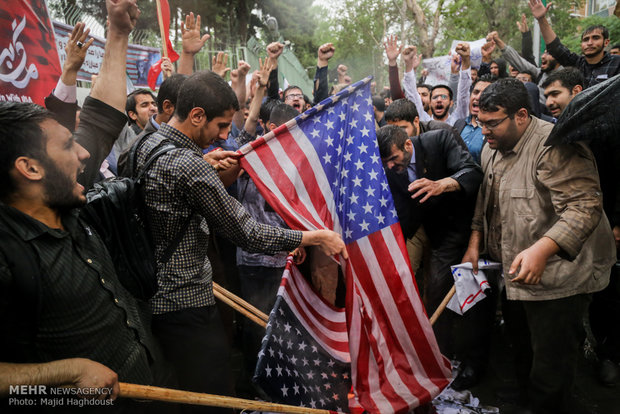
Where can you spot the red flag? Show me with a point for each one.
(155, 69)
(323, 170)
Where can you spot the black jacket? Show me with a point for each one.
(437, 156)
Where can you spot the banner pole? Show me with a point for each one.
(160, 19)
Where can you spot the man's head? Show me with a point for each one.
(395, 147)
(504, 113)
(294, 97)
(561, 87)
(205, 107)
(140, 106)
(441, 101)
(378, 105)
(167, 96)
(594, 40)
(615, 49)
(425, 94)
(498, 68)
(476, 90)
(474, 74)
(280, 114)
(512, 71)
(547, 62)
(524, 77)
(403, 113)
(39, 158)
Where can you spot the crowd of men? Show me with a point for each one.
(467, 163)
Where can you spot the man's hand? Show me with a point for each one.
(539, 11)
(262, 74)
(77, 54)
(190, 35)
(122, 16)
(222, 160)
(531, 262)
(324, 54)
(239, 74)
(90, 374)
(455, 63)
(342, 70)
(299, 255)
(219, 64)
(392, 49)
(274, 50)
(472, 254)
(486, 50)
(522, 25)
(328, 241)
(432, 188)
(494, 36)
(411, 58)
(166, 67)
(616, 231)
(464, 52)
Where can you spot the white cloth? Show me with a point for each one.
(470, 287)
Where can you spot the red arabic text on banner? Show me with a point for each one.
(29, 65)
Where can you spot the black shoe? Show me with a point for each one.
(608, 373)
(466, 379)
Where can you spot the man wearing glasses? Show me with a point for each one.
(539, 212)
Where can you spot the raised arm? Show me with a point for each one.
(237, 79)
(324, 54)
(392, 50)
(526, 40)
(274, 51)
(101, 122)
(412, 61)
(539, 11)
(249, 129)
(512, 57)
(462, 103)
(192, 43)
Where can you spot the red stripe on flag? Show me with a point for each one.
(307, 173)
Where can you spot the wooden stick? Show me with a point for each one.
(241, 302)
(443, 305)
(239, 308)
(146, 392)
(160, 19)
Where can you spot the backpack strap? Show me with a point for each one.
(168, 146)
(459, 125)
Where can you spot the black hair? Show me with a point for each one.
(441, 86)
(21, 135)
(288, 89)
(568, 77)
(130, 105)
(507, 93)
(487, 77)
(616, 46)
(282, 113)
(425, 85)
(501, 67)
(401, 110)
(266, 107)
(590, 29)
(389, 135)
(379, 103)
(169, 90)
(207, 90)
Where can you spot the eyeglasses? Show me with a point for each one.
(442, 96)
(292, 96)
(491, 125)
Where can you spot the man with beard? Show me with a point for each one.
(595, 64)
(539, 74)
(65, 319)
(540, 213)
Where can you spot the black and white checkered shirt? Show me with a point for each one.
(179, 184)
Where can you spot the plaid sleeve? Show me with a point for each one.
(207, 195)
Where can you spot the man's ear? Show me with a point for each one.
(272, 126)
(29, 168)
(416, 125)
(168, 107)
(577, 89)
(408, 145)
(132, 115)
(606, 42)
(197, 117)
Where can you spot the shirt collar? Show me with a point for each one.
(29, 228)
(178, 137)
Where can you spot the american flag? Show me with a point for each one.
(322, 170)
(304, 359)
